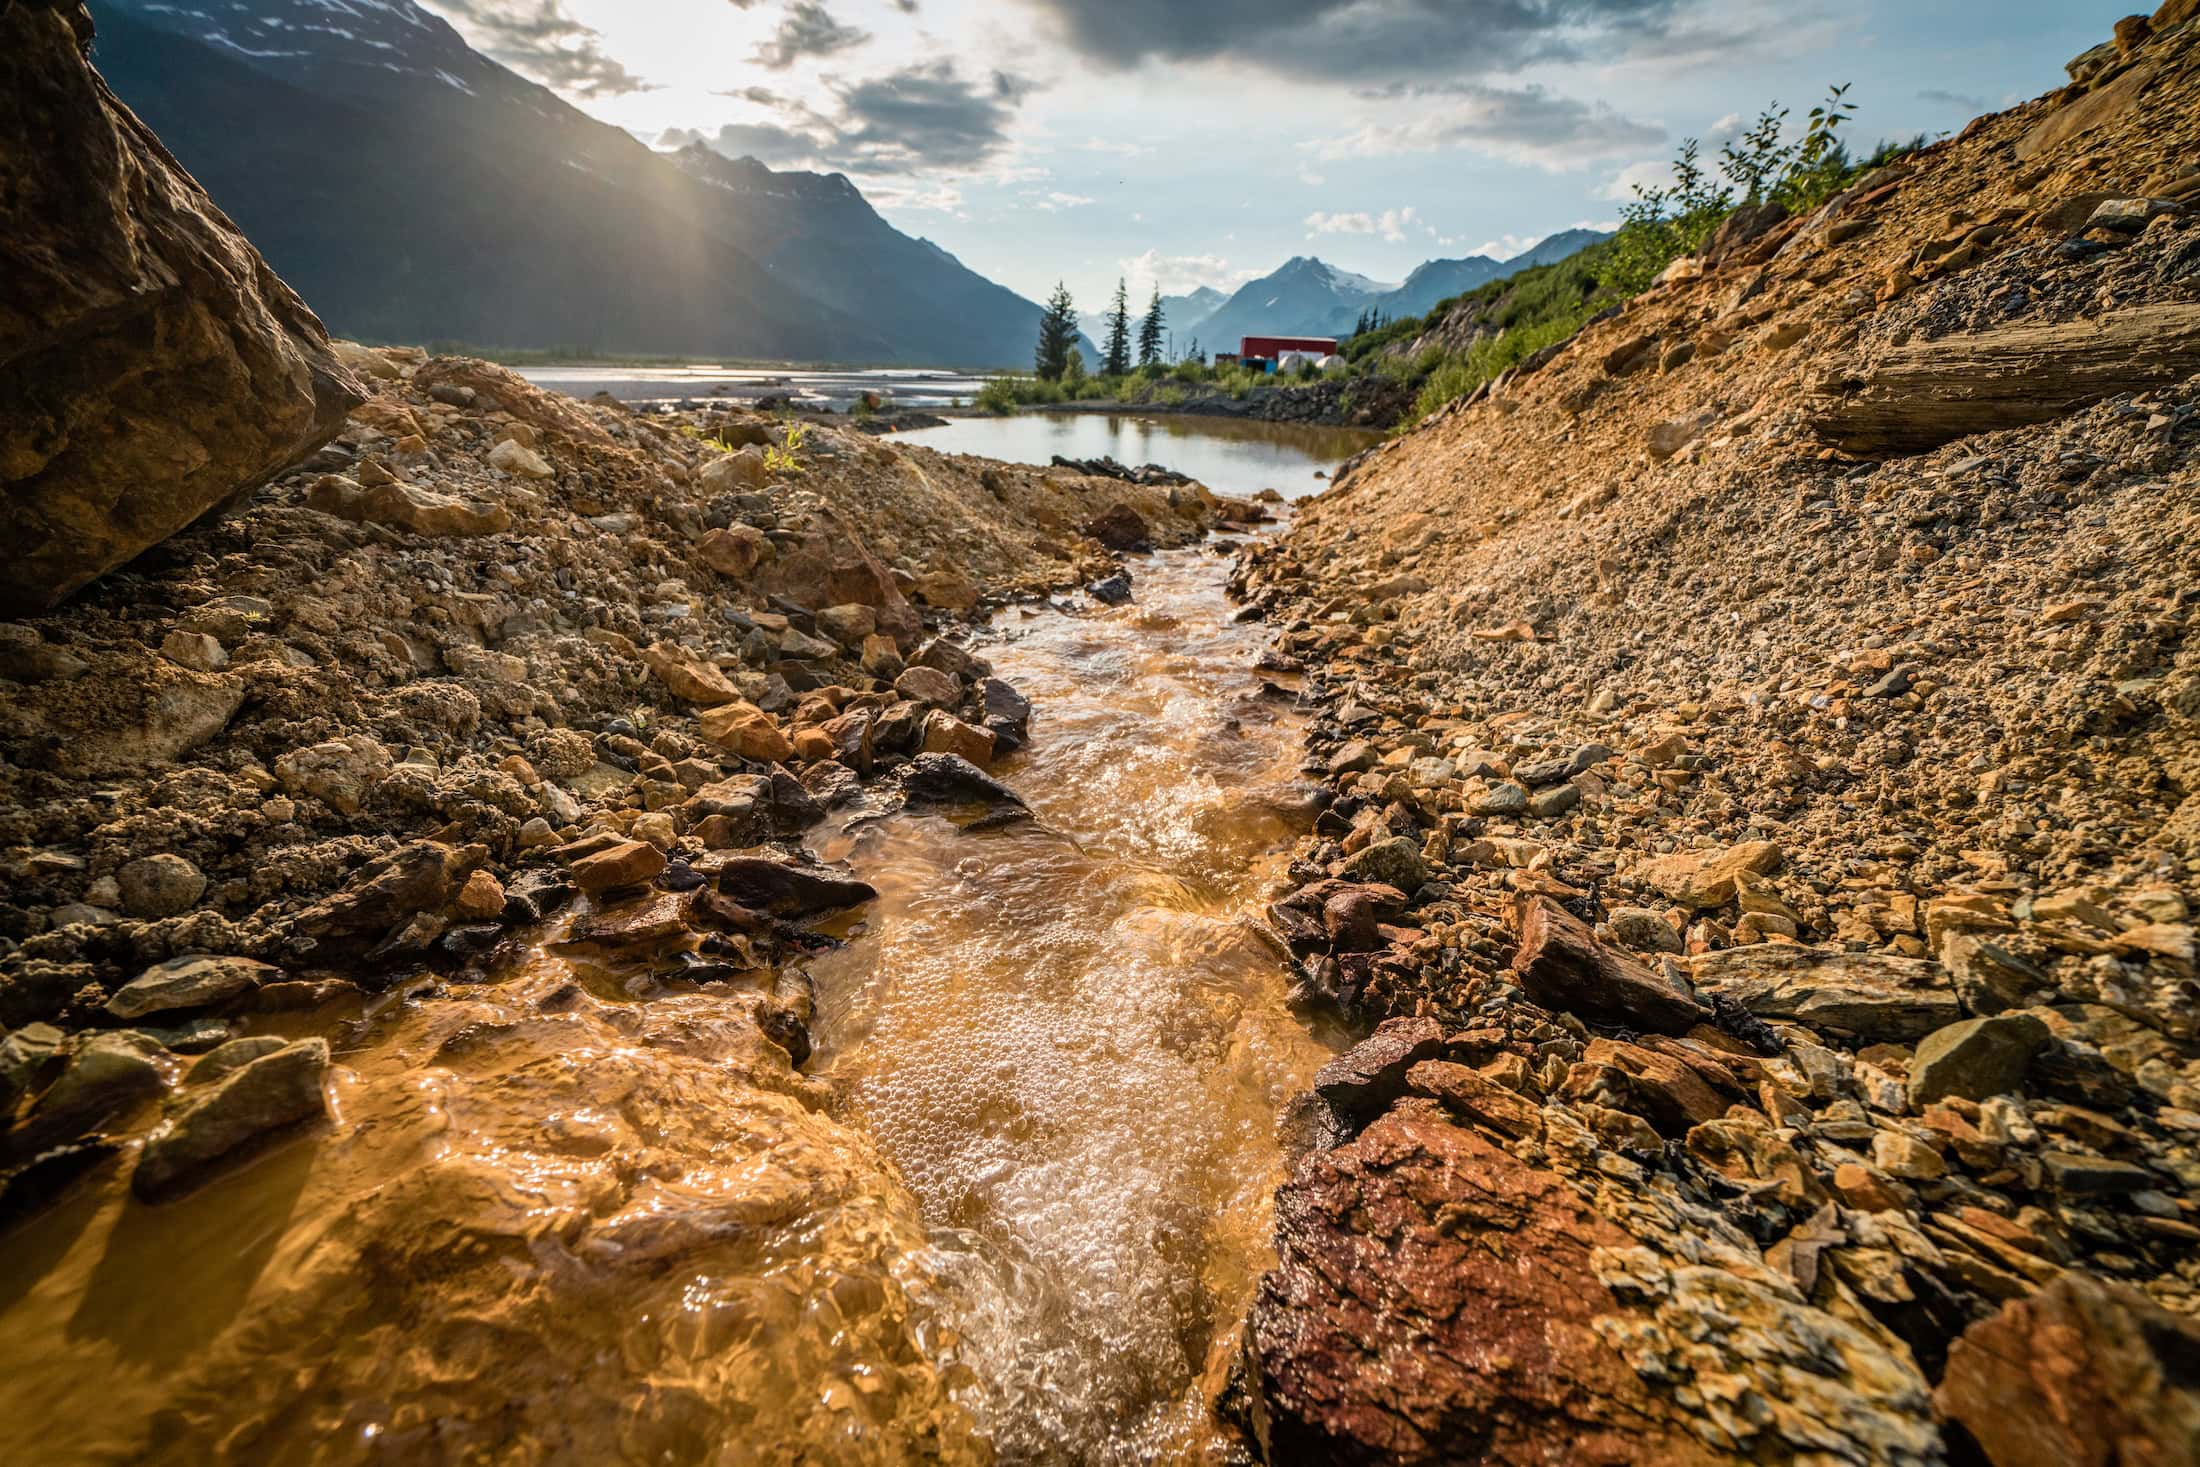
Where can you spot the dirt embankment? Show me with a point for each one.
(1768, 820)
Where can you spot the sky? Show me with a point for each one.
(1203, 142)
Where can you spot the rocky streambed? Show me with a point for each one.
(952, 1139)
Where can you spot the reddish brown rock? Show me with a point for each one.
(2084, 1373)
(1563, 966)
(746, 730)
(626, 863)
(153, 369)
(1434, 1302)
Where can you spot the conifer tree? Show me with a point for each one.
(1116, 362)
(1057, 335)
(1150, 332)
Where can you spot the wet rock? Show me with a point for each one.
(24, 1056)
(1436, 1301)
(227, 1058)
(1874, 996)
(1114, 590)
(160, 886)
(785, 890)
(948, 779)
(1976, 1058)
(1366, 1079)
(2084, 1373)
(947, 735)
(622, 864)
(191, 982)
(1395, 862)
(1119, 527)
(930, 687)
(749, 808)
(232, 1117)
(1562, 966)
(152, 366)
(944, 656)
(107, 1074)
(1006, 713)
(534, 896)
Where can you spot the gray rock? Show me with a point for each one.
(1394, 862)
(2094, 1176)
(160, 886)
(195, 981)
(1643, 930)
(1975, 1059)
(233, 1056)
(1503, 799)
(22, 1055)
(1556, 800)
(223, 1120)
(107, 1075)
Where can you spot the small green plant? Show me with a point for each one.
(782, 458)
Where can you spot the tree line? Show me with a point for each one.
(1057, 356)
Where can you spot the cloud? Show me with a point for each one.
(1505, 246)
(925, 118)
(1392, 224)
(1349, 40)
(1973, 105)
(808, 31)
(1056, 201)
(537, 39)
(1651, 173)
(1527, 124)
(1181, 274)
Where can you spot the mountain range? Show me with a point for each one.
(1308, 297)
(414, 190)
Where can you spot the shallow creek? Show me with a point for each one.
(1011, 1212)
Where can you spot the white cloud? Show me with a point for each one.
(1650, 173)
(1176, 274)
(1528, 125)
(1058, 200)
(1505, 246)
(1392, 224)
(1310, 178)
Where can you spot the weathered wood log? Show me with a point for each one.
(1563, 966)
(1917, 397)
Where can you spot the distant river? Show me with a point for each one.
(808, 388)
(1228, 455)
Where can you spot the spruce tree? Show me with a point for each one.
(1117, 360)
(1057, 335)
(1150, 332)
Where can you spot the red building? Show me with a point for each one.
(1268, 348)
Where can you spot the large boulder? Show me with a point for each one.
(152, 366)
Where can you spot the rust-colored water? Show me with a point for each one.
(571, 1218)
